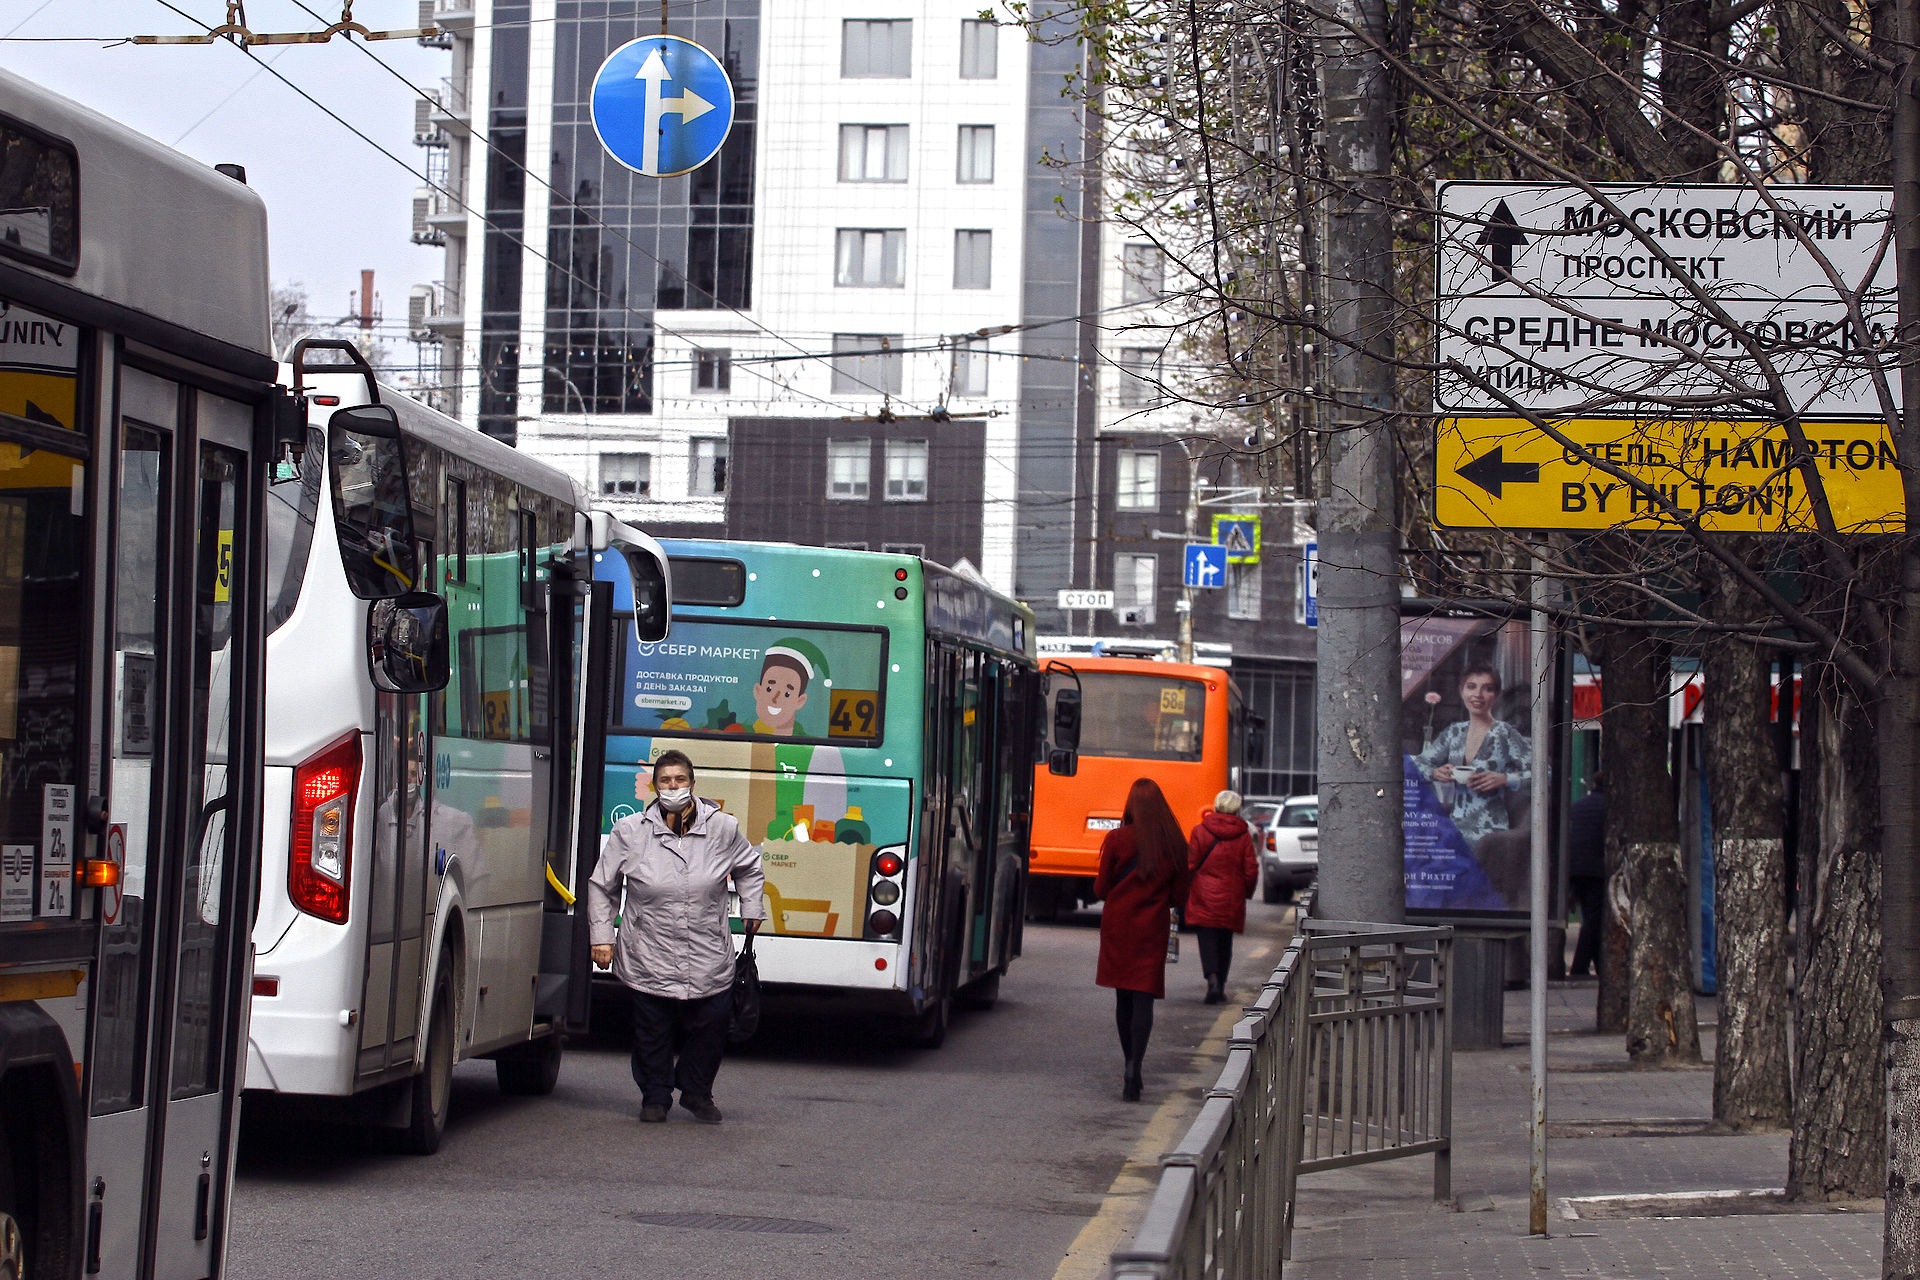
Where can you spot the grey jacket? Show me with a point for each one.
(673, 939)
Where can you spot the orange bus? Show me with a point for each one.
(1180, 724)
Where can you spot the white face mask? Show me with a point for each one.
(676, 798)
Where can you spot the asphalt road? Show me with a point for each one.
(842, 1154)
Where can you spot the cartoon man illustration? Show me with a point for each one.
(787, 670)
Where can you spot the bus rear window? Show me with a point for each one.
(1141, 717)
(39, 198)
(766, 680)
(718, 584)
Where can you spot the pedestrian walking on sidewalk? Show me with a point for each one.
(673, 948)
(1224, 870)
(1142, 878)
(1587, 874)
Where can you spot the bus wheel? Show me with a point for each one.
(430, 1090)
(1043, 901)
(13, 1241)
(981, 993)
(532, 1070)
(929, 1029)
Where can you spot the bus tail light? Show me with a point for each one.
(886, 886)
(320, 852)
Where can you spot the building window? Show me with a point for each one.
(916, 549)
(979, 49)
(713, 369)
(976, 153)
(1139, 375)
(1243, 591)
(1133, 583)
(625, 475)
(870, 259)
(709, 468)
(849, 470)
(876, 50)
(873, 153)
(969, 366)
(1145, 266)
(973, 259)
(1139, 488)
(906, 471)
(867, 363)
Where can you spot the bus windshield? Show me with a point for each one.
(1141, 717)
(774, 680)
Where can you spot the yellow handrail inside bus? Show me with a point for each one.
(566, 895)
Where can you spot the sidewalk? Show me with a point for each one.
(1378, 1222)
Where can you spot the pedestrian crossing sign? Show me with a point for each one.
(1240, 535)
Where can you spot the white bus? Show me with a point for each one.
(421, 847)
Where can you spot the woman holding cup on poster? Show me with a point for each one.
(1481, 760)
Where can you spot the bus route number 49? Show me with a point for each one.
(853, 712)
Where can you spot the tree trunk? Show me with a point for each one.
(1751, 1085)
(1643, 825)
(1837, 1150)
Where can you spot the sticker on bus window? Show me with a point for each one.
(16, 882)
(223, 569)
(1173, 700)
(854, 713)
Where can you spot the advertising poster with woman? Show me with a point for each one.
(1468, 763)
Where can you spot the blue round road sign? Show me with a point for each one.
(662, 105)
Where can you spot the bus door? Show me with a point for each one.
(174, 943)
(397, 895)
(580, 633)
(971, 834)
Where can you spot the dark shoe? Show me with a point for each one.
(703, 1109)
(1216, 991)
(1131, 1083)
(653, 1113)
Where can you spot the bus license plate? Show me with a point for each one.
(1103, 824)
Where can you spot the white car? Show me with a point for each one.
(1287, 835)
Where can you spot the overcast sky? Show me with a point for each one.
(335, 205)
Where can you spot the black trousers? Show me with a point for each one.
(677, 1044)
(1133, 1012)
(1591, 893)
(1216, 950)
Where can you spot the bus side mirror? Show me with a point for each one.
(372, 509)
(1063, 763)
(650, 598)
(1066, 721)
(407, 644)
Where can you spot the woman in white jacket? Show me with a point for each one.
(673, 948)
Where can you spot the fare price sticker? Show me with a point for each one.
(56, 845)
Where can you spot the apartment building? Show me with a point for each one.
(883, 316)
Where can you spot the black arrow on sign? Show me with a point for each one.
(1501, 236)
(1491, 470)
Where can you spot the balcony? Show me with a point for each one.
(437, 217)
(433, 311)
(452, 17)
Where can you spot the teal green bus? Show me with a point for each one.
(872, 722)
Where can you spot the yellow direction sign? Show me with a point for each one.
(1733, 477)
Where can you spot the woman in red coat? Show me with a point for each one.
(1142, 877)
(1225, 869)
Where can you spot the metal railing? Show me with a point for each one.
(1345, 1058)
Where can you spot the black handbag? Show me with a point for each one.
(746, 996)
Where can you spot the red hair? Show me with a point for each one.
(1157, 841)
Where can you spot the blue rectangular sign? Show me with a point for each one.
(1310, 585)
(1205, 565)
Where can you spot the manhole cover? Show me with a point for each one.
(737, 1222)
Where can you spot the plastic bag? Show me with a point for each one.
(746, 996)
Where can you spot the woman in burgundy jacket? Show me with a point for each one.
(1225, 870)
(1142, 877)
